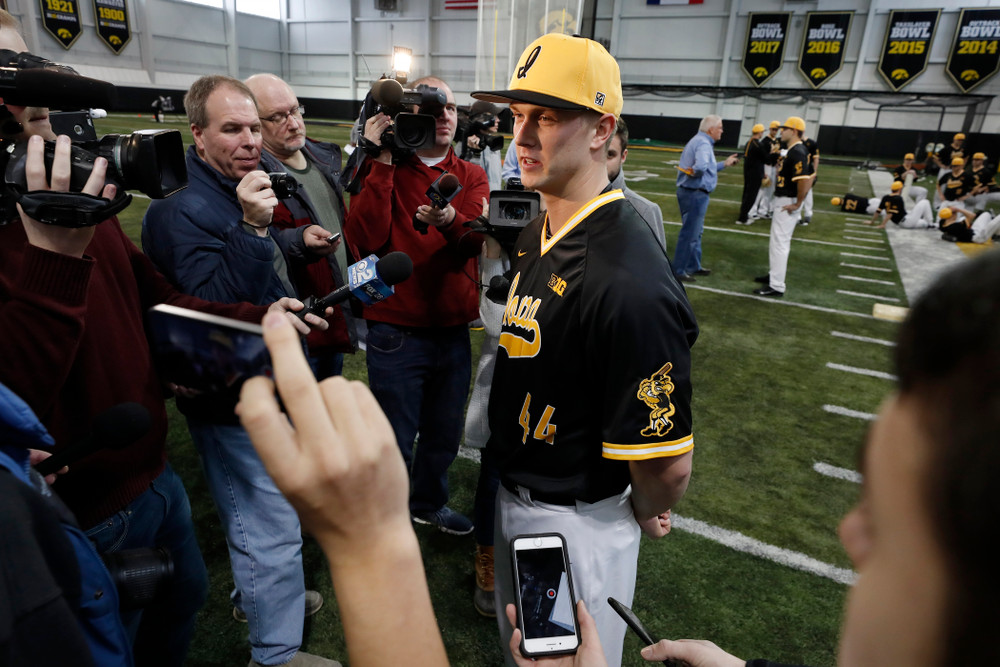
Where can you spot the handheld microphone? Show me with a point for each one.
(116, 428)
(371, 280)
(441, 192)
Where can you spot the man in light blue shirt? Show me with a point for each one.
(696, 179)
(511, 168)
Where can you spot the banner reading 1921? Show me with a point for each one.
(112, 23)
(823, 45)
(907, 45)
(765, 45)
(61, 19)
(975, 55)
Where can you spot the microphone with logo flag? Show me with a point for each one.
(116, 428)
(441, 192)
(371, 280)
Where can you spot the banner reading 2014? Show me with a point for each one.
(823, 45)
(765, 45)
(975, 55)
(111, 17)
(907, 45)
(61, 19)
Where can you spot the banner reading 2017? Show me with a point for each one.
(907, 45)
(823, 45)
(765, 45)
(975, 55)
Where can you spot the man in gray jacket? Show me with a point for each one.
(650, 212)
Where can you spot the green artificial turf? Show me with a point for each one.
(760, 380)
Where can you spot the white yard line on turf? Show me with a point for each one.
(870, 268)
(867, 280)
(748, 545)
(857, 219)
(869, 232)
(780, 302)
(863, 339)
(861, 371)
(875, 257)
(857, 224)
(862, 238)
(847, 412)
(797, 240)
(837, 473)
(868, 296)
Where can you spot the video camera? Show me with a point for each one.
(409, 131)
(151, 161)
(479, 124)
(510, 211)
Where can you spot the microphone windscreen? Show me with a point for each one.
(394, 268)
(121, 425)
(387, 92)
(59, 90)
(448, 185)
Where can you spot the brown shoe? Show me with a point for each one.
(483, 596)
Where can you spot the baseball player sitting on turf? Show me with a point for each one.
(956, 225)
(892, 208)
(593, 310)
(851, 203)
(905, 173)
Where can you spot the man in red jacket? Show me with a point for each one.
(419, 359)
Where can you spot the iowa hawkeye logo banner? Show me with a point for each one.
(975, 55)
(61, 19)
(112, 23)
(823, 45)
(907, 45)
(765, 45)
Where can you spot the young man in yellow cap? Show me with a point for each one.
(790, 189)
(753, 173)
(953, 150)
(954, 185)
(984, 187)
(771, 143)
(892, 207)
(590, 410)
(906, 174)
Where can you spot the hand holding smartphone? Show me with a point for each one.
(546, 606)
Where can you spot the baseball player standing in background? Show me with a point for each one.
(771, 143)
(790, 190)
(590, 412)
(753, 173)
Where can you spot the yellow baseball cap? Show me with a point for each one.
(896, 185)
(775, 124)
(836, 201)
(957, 162)
(795, 123)
(945, 213)
(958, 136)
(979, 156)
(757, 128)
(563, 72)
(908, 156)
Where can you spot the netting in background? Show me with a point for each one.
(507, 26)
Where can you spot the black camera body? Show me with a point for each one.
(510, 211)
(479, 125)
(140, 575)
(410, 131)
(284, 185)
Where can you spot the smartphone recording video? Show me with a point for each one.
(546, 606)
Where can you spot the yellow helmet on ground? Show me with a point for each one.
(945, 213)
(836, 201)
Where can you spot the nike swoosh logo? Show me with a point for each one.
(522, 253)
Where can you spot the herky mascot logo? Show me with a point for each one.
(655, 392)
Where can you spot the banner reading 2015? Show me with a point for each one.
(823, 45)
(907, 45)
(975, 55)
(765, 45)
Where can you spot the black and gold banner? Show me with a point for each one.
(765, 45)
(907, 45)
(823, 44)
(111, 18)
(975, 55)
(61, 19)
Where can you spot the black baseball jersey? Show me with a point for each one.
(853, 203)
(953, 187)
(793, 167)
(753, 158)
(894, 206)
(946, 154)
(594, 364)
(982, 176)
(899, 173)
(771, 146)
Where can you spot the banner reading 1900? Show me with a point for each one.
(907, 45)
(823, 45)
(112, 23)
(61, 19)
(765, 45)
(975, 55)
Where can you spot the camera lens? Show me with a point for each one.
(513, 211)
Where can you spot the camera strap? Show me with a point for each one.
(71, 209)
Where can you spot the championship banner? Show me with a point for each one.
(907, 45)
(765, 45)
(111, 18)
(974, 56)
(61, 19)
(823, 45)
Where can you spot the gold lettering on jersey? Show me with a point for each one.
(557, 284)
(520, 313)
(655, 392)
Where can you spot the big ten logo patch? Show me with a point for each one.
(557, 284)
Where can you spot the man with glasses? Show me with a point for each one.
(214, 240)
(319, 200)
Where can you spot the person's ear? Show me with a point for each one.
(199, 142)
(624, 155)
(605, 130)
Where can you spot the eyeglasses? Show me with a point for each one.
(282, 117)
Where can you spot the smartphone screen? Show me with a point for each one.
(546, 605)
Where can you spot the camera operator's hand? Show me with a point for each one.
(436, 217)
(257, 200)
(315, 239)
(692, 652)
(287, 305)
(374, 128)
(589, 654)
(472, 141)
(63, 240)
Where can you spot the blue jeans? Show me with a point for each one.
(421, 379)
(687, 255)
(264, 539)
(160, 517)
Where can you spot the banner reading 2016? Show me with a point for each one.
(112, 23)
(823, 45)
(975, 55)
(765, 45)
(907, 45)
